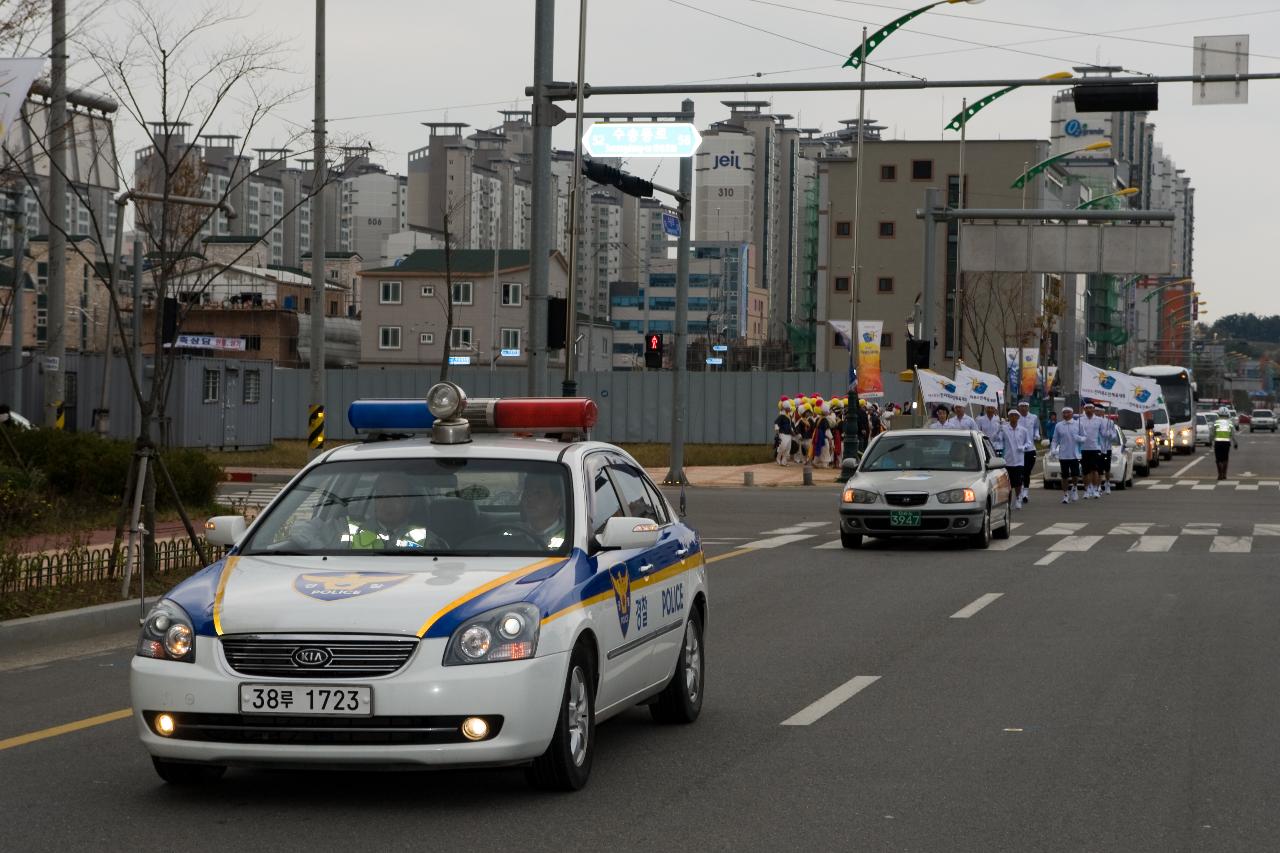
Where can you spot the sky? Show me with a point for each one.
(393, 64)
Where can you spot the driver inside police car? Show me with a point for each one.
(398, 518)
(542, 509)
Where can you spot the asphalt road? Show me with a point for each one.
(1120, 696)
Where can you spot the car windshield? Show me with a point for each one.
(1201, 420)
(421, 507)
(1161, 416)
(922, 453)
(1129, 420)
(1262, 413)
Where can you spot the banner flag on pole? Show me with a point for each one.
(1109, 386)
(16, 77)
(1050, 377)
(936, 388)
(844, 332)
(1142, 395)
(985, 389)
(870, 379)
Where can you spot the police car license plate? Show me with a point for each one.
(904, 518)
(329, 700)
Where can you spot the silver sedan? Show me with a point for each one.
(928, 482)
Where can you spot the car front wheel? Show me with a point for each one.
(681, 700)
(982, 539)
(566, 765)
(850, 540)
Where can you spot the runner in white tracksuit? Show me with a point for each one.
(1091, 450)
(1108, 435)
(1032, 425)
(1066, 446)
(1013, 435)
(989, 425)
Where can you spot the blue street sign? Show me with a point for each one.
(720, 348)
(670, 224)
(510, 353)
(715, 361)
(459, 359)
(641, 139)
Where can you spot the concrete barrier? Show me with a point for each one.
(30, 632)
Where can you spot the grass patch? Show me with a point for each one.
(657, 455)
(52, 599)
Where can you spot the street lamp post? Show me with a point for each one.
(858, 59)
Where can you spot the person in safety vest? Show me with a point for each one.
(398, 519)
(1224, 437)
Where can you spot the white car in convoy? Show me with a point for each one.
(927, 482)
(441, 601)
(1262, 419)
(1127, 457)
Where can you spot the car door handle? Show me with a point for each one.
(680, 552)
(647, 567)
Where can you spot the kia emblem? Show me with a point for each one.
(312, 656)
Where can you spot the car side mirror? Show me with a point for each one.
(225, 530)
(997, 463)
(629, 532)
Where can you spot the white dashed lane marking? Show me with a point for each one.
(1231, 544)
(982, 601)
(811, 714)
(1153, 544)
(1006, 544)
(777, 541)
(1048, 558)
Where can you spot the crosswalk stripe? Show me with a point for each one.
(1201, 528)
(1062, 528)
(1006, 544)
(1269, 482)
(1210, 487)
(813, 524)
(777, 541)
(1130, 529)
(797, 528)
(1232, 544)
(1246, 488)
(1075, 543)
(1188, 482)
(1160, 487)
(1048, 558)
(1228, 483)
(1153, 544)
(1266, 530)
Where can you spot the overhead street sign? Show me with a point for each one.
(670, 223)
(641, 139)
(1220, 55)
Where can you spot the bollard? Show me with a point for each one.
(748, 478)
(315, 428)
(59, 415)
(808, 474)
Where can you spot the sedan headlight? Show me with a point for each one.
(167, 634)
(859, 496)
(957, 496)
(507, 633)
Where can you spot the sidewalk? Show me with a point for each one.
(60, 542)
(768, 474)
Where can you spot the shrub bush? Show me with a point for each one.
(195, 476)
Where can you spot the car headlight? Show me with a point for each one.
(167, 634)
(506, 633)
(859, 496)
(957, 496)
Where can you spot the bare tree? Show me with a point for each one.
(177, 67)
(448, 295)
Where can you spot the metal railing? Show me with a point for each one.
(29, 571)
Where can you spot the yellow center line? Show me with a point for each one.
(65, 728)
(726, 555)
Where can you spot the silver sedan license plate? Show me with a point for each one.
(339, 700)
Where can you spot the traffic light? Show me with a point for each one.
(602, 173)
(918, 354)
(556, 320)
(1116, 97)
(653, 344)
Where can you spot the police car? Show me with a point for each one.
(437, 600)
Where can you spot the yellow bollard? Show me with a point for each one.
(315, 428)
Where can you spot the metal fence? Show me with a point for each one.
(721, 408)
(30, 571)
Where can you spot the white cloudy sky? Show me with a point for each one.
(395, 63)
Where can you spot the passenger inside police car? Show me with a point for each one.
(399, 519)
(542, 509)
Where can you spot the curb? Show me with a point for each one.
(48, 629)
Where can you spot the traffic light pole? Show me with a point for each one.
(542, 214)
(675, 476)
(569, 387)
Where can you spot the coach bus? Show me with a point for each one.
(1178, 389)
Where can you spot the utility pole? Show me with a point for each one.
(569, 388)
(542, 213)
(56, 344)
(675, 476)
(930, 268)
(19, 299)
(315, 419)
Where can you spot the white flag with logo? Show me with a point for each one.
(1142, 395)
(1107, 386)
(984, 389)
(936, 388)
(16, 77)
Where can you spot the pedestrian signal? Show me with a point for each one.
(653, 347)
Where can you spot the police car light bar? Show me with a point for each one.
(519, 414)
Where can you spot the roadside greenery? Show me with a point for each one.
(53, 481)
